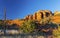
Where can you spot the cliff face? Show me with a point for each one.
(56, 18)
(39, 15)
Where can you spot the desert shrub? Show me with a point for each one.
(56, 31)
(28, 26)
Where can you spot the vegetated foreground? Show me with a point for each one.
(43, 24)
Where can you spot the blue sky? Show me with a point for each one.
(20, 8)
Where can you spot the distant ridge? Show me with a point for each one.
(38, 16)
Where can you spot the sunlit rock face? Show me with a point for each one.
(29, 17)
(35, 16)
(56, 17)
(41, 14)
(57, 13)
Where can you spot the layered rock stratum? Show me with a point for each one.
(38, 16)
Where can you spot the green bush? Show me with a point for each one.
(28, 26)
